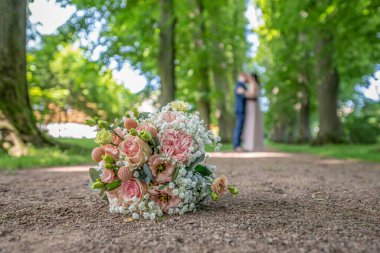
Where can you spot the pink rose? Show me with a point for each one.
(176, 144)
(130, 189)
(108, 176)
(164, 198)
(111, 150)
(136, 150)
(169, 116)
(162, 171)
(148, 128)
(116, 139)
(130, 123)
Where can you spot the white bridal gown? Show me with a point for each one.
(253, 136)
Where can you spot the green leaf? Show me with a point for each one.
(197, 161)
(109, 166)
(97, 185)
(214, 196)
(143, 115)
(202, 170)
(113, 185)
(108, 159)
(149, 176)
(102, 192)
(233, 190)
(94, 174)
(176, 172)
(161, 187)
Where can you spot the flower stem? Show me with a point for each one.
(114, 132)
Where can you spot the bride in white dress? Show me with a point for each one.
(253, 136)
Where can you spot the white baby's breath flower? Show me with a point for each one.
(171, 185)
(170, 211)
(181, 195)
(132, 208)
(152, 216)
(142, 206)
(151, 204)
(182, 171)
(175, 192)
(136, 174)
(135, 216)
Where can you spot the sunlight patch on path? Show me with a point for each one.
(82, 168)
(251, 155)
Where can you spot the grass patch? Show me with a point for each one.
(79, 153)
(343, 151)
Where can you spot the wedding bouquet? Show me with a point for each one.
(153, 163)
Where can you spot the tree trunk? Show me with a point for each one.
(226, 120)
(14, 98)
(330, 128)
(204, 103)
(304, 122)
(304, 133)
(166, 54)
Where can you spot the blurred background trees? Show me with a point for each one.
(315, 53)
(315, 59)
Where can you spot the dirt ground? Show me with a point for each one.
(287, 203)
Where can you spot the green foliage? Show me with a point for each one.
(60, 75)
(78, 153)
(209, 40)
(94, 174)
(204, 171)
(289, 39)
(363, 125)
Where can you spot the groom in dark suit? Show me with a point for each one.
(240, 101)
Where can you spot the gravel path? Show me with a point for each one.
(288, 203)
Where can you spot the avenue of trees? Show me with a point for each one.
(313, 56)
(316, 54)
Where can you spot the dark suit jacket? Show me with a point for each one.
(240, 100)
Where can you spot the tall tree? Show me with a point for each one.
(16, 114)
(166, 52)
(227, 53)
(202, 68)
(330, 127)
(336, 40)
(133, 31)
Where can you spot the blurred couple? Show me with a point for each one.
(248, 133)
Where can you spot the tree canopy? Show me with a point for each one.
(314, 53)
